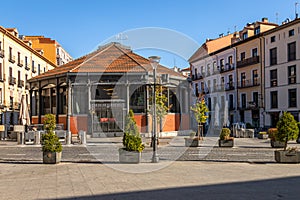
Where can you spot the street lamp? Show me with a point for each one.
(154, 60)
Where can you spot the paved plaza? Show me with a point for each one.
(247, 171)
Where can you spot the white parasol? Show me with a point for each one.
(24, 113)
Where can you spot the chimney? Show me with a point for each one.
(265, 19)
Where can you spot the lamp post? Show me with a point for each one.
(154, 60)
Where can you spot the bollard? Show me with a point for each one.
(82, 135)
(69, 137)
(20, 138)
(37, 137)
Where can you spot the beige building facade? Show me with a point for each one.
(18, 63)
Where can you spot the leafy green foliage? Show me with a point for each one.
(200, 109)
(132, 140)
(161, 101)
(49, 140)
(49, 122)
(287, 128)
(225, 134)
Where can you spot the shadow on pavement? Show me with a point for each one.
(273, 189)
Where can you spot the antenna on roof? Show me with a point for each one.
(296, 12)
(276, 17)
(121, 37)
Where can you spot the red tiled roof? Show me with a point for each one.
(111, 58)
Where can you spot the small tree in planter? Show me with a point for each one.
(275, 143)
(225, 139)
(132, 142)
(287, 131)
(200, 109)
(51, 146)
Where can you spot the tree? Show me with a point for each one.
(200, 110)
(287, 128)
(132, 140)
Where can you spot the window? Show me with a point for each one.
(196, 74)
(292, 51)
(196, 90)
(202, 70)
(32, 67)
(0, 45)
(255, 98)
(254, 52)
(1, 77)
(292, 98)
(231, 102)
(19, 57)
(0, 95)
(222, 81)
(243, 96)
(274, 99)
(39, 69)
(245, 36)
(26, 61)
(222, 64)
(10, 53)
(273, 56)
(273, 39)
(255, 77)
(291, 32)
(243, 56)
(214, 84)
(292, 74)
(243, 79)
(273, 78)
(208, 69)
(257, 30)
(230, 61)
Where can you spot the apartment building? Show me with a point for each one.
(231, 76)
(51, 49)
(282, 71)
(18, 63)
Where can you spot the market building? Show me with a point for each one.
(95, 92)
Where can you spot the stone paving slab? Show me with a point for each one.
(105, 150)
(178, 180)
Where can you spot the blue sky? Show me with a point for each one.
(81, 25)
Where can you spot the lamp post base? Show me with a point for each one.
(155, 159)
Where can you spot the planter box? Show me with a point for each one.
(277, 144)
(191, 142)
(51, 157)
(262, 136)
(287, 157)
(226, 143)
(133, 157)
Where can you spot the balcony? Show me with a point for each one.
(12, 80)
(196, 77)
(20, 83)
(229, 86)
(250, 105)
(33, 69)
(12, 59)
(249, 83)
(248, 61)
(27, 67)
(20, 63)
(228, 67)
(2, 53)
